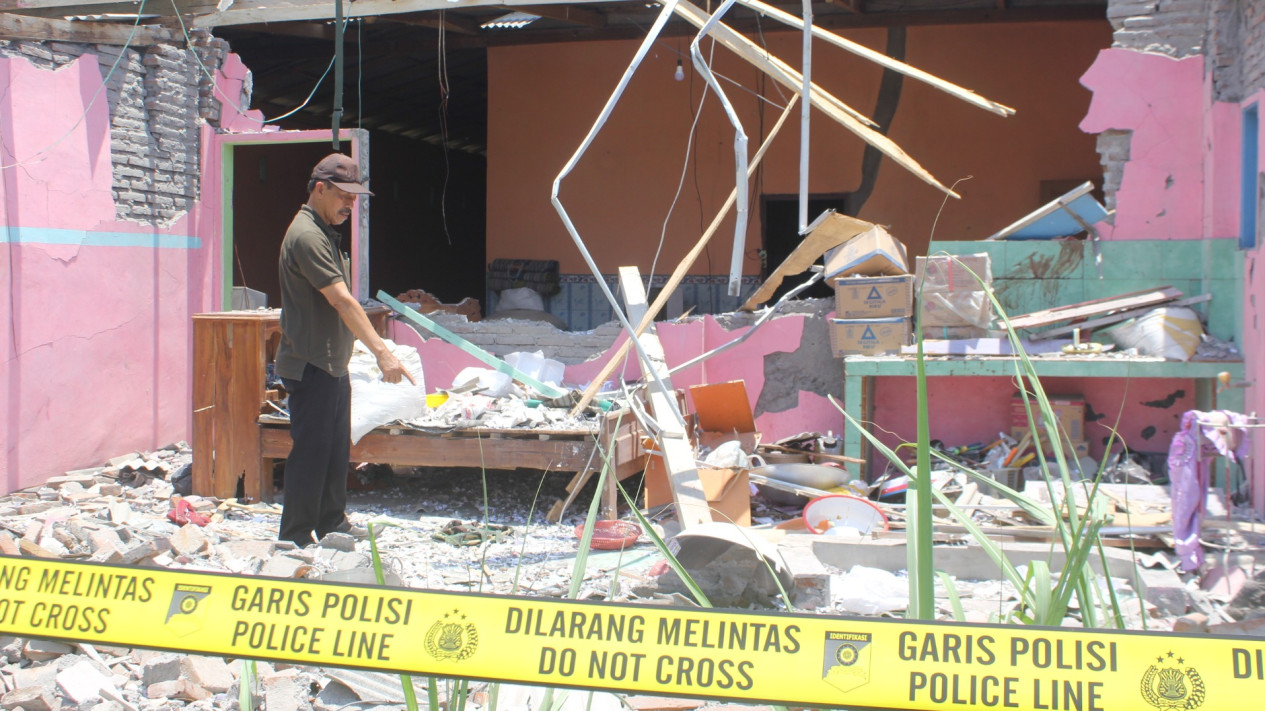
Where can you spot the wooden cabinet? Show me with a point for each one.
(231, 350)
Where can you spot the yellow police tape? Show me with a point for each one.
(780, 658)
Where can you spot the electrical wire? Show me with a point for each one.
(680, 185)
(36, 157)
(197, 58)
(207, 72)
(441, 66)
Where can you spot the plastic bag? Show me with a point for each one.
(520, 298)
(1169, 332)
(869, 591)
(375, 402)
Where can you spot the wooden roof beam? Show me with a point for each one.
(242, 12)
(109, 33)
(440, 20)
(565, 13)
(854, 6)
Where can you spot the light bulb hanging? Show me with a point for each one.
(679, 74)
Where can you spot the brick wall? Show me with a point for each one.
(157, 96)
(504, 336)
(1177, 28)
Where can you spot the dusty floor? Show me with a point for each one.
(449, 529)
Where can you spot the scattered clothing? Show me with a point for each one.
(1202, 437)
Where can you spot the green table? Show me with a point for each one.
(860, 372)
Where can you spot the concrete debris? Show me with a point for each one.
(104, 515)
(83, 682)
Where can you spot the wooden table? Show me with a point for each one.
(546, 450)
(236, 441)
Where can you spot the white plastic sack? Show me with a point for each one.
(534, 364)
(520, 298)
(728, 455)
(491, 383)
(375, 402)
(1169, 332)
(870, 591)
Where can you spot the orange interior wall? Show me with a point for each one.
(543, 99)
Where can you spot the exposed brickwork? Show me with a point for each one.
(1113, 151)
(1236, 55)
(503, 336)
(1178, 28)
(157, 96)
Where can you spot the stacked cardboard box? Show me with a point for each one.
(954, 295)
(874, 295)
(1069, 412)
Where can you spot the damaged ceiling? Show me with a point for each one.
(418, 68)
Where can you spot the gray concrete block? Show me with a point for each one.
(210, 673)
(44, 650)
(810, 578)
(159, 668)
(282, 693)
(29, 699)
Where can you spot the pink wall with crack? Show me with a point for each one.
(1183, 178)
(1253, 316)
(1161, 101)
(96, 356)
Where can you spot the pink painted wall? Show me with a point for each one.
(543, 98)
(97, 348)
(1162, 101)
(1183, 179)
(976, 409)
(1254, 323)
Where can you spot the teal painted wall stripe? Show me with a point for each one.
(50, 235)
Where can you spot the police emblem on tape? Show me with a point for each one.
(452, 637)
(847, 660)
(185, 614)
(1172, 687)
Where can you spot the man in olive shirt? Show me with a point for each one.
(320, 321)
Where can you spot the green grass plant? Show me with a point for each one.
(1045, 597)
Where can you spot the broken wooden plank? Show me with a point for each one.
(824, 101)
(678, 454)
(681, 269)
(1115, 318)
(1096, 307)
(25, 27)
(881, 59)
(831, 233)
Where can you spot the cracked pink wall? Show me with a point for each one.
(1161, 101)
(1183, 178)
(96, 355)
(1253, 328)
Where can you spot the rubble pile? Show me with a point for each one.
(434, 532)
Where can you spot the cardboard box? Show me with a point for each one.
(728, 491)
(722, 413)
(874, 297)
(950, 293)
(875, 336)
(871, 253)
(1069, 410)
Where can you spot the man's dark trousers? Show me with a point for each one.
(316, 470)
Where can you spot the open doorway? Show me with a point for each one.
(780, 231)
(269, 184)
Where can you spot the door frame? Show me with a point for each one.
(220, 173)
